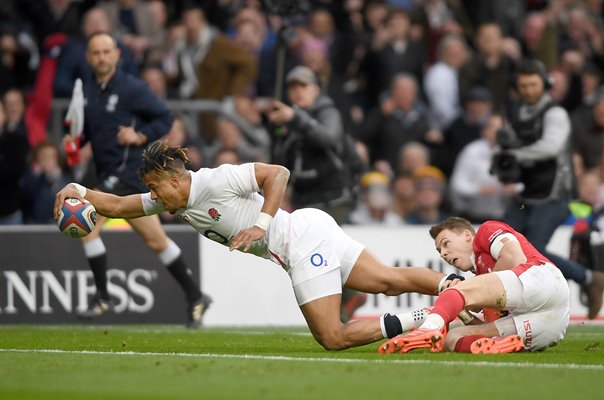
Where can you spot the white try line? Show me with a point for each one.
(386, 360)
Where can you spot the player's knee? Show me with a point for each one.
(157, 245)
(331, 340)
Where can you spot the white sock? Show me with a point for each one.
(412, 319)
(94, 248)
(434, 321)
(170, 253)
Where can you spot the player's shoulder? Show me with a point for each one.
(222, 173)
(490, 229)
(231, 169)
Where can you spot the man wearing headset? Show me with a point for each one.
(542, 155)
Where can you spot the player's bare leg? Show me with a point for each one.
(370, 275)
(150, 229)
(481, 291)
(323, 318)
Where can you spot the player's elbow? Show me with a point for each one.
(283, 173)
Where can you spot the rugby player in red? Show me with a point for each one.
(511, 276)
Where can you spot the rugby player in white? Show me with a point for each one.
(223, 204)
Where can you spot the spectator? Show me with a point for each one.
(490, 67)
(156, 80)
(229, 137)
(476, 194)
(41, 183)
(540, 36)
(13, 156)
(398, 121)
(179, 137)
(339, 46)
(441, 83)
(588, 138)
(584, 34)
(315, 150)
(591, 79)
(250, 29)
(226, 156)
(403, 190)
(135, 25)
(413, 156)
(18, 63)
(435, 19)
(430, 185)
(14, 108)
(313, 146)
(72, 61)
(159, 12)
(52, 16)
(375, 204)
(477, 108)
(391, 53)
(204, 53)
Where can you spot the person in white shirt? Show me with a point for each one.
(224, 205)
(475, 192)
(441, 82)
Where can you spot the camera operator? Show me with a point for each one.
(312, 147)
(536, 153)
(315, 148)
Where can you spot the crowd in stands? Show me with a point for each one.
(423, 87)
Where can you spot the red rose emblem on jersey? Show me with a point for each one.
(214, 214)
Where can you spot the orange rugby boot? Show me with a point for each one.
(497, 345)
(432, 339)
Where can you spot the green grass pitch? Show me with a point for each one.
(168, 362)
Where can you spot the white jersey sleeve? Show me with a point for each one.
(240, 179)
(150, 206)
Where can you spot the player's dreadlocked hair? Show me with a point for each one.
(159, 158)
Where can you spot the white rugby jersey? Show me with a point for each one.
(222, 202)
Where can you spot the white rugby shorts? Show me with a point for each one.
(538, 305)
(321, 255)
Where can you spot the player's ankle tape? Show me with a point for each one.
(392, 325)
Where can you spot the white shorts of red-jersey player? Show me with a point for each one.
(538, 304)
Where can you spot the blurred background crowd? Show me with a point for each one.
(421, 88)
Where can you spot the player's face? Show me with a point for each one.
(164, 190)
(455, 248)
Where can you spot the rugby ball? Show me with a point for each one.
(76, 219)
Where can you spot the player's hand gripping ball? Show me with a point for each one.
(76, 219)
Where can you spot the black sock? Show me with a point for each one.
(393, 325)
(98, 265)
(184, 277)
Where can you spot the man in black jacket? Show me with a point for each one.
(314, 148)
(122, 115)
(540, 131)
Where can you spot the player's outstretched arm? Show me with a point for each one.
(106, 204)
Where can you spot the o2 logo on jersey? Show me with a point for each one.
(317, 260)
